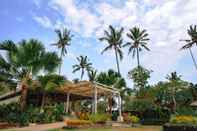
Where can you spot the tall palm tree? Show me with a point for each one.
(25, 60)
(139, 39)
(84, 65)
(114, 39)
(64, 39)
(192, 32)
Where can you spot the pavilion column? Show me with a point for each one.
(120, 118)
(67, 102)
(95, 100)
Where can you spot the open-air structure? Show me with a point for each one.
(77, 91)
(89, 90)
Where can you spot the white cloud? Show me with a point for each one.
(81, 20)
(165, 21)
(44, 21)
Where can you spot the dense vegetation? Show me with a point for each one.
(26, 60)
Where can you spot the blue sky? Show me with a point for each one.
(166, 22)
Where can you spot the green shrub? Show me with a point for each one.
(139, 105)
(134, 119)
(11, 113)
(99, 118)
(186, 111)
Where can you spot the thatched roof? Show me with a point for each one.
(77, 91)
(86, 88)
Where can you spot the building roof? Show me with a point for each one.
(86, 89)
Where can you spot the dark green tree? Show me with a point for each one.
(140, 77)
(25, 60)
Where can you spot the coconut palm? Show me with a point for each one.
(64, 39)
(92, 74)
(114, 40)
(139, 39)
(26, 59)
(84, 65)
(192, 32)
(175, 84)
(49, 83)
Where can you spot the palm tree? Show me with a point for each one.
(192, 32)
(64, 39)
(92, 74)
(25, 60)
(84, 65)
(174, 86)
(49, 83)
(112, 78)
(114, 39)
(138, 42)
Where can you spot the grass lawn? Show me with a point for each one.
(141, 128)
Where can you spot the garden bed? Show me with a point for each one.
(4, 125)
(176, 127)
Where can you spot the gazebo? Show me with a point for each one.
(90, 90)
(76, 91)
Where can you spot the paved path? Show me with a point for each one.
(42, 127)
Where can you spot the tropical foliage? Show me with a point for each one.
(84, 65)
(192, 32)
(139, 39)
(26, 59)
(64, 39)
(140, 77)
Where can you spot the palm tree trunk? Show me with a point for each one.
(194, 61)
(43, 100)
(139, 69)
(82, 73)
(23, 99)
(174, 103)
(60, 63)
(117, 61)
(138, 58)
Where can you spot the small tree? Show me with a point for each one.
(140, 78)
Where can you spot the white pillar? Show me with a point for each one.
(95, 99)
(67, 102)
(120, 118)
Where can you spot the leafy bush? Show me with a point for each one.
(186, 111)
(139, 105)
(153, 121)
(99, 118)
(181, 119)
(134, 119)
(12, 114)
